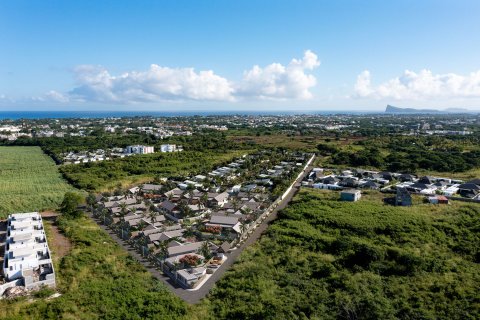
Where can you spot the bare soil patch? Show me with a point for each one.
(58, 242)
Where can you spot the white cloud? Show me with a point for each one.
(420, 86)
(276, 81)
(158, 83)
(56, 96)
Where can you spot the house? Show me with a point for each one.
(147, 187)
(350, 195)
(226, 222)
(349, 182)
(224, 247)
(369, 185)
(138, 149)
(217, 199)
(184, 249)
(419, 187)
(168, 148)
(168, 207)
(406, 177)
(386, 175)
(469, 189)
(438, 200)
(27, 259)
(403, 197)
(330, 180)
(426, 180)
(188, 277)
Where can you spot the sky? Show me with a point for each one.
(239, 55)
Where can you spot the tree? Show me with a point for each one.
(91, 200)
(205, 250)
(70, 203)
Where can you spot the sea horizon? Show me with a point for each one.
(15, 115)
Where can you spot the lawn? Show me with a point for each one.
(29, 181)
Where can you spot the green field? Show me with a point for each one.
(97, 280)
(327, 259)
(29, 181)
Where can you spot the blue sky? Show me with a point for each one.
(201, 55)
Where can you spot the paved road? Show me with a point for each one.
(195, 296)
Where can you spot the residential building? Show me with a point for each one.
(139, 149)
(27, 260)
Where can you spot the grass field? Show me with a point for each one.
(97, 279)
(29, 181)
(307, 143)
(327, 259)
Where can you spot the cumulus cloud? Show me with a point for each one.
(276, 81)
(420, 86)
(156, 84)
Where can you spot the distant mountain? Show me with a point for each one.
(457, 110)
(392, 109)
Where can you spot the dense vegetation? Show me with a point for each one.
(107, 174)
(408, 154)
(326, 259)
(98, 139)
(98, 280)
(29, 180)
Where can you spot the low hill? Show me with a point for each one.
(392, 109)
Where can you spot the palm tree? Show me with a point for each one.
(203, 201)
(153, 216)
(235, 203)
(141, 225)
(243, 228)
(205, 250)
(103, 214)
(123, 209)
(176, 266)
(162, 249)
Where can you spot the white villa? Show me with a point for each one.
(27, 259)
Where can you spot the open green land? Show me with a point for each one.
(105, 175)
(322, 259)
(97, 280)
(29, 181)
(326, 259)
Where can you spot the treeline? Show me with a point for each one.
(94, 176)
(408, 154)
(326, 259)
(56, 146)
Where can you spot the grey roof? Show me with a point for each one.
(167, 205)
(190, 247)
(162, 236)
(226, 220)
(151, 187)
(224, 247)
(469, 186)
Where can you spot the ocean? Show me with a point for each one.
(14, 115)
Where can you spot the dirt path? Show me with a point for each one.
(58, 242)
